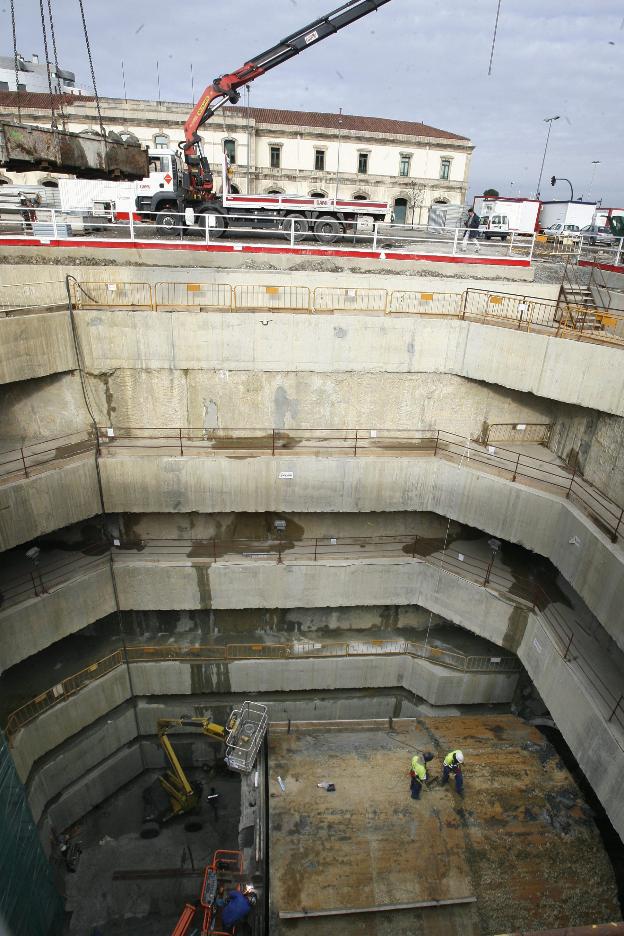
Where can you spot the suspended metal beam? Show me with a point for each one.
(25, 149)
(380, 908)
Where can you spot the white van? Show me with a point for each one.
(494, 226)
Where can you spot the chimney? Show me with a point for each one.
(35, 58)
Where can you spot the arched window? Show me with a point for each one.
(234, 189)
(440, 201)
(49, 182)
(399, 213)
(360, 196)
(229, 148)
(274, 191)
(318, 194)
(161, 141)
(4, 180)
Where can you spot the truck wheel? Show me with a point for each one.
(503, 237)
(216, 227)
(300, 224)
(327, 230)
(193, 825)
(150, 830)
(168, 222)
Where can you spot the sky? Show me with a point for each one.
(421, 60)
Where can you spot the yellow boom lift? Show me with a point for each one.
(173, 794)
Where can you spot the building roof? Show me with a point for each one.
(39, 100)
(345, 122)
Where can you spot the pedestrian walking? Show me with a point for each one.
(472, 231)
(453, 765)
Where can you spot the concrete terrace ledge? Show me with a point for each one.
(545, 523)
(547, 366)
(35, 346)
(65, 734)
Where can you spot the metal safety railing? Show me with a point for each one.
(236, 652)
(523, 592)
(188, 441)
(520, 433)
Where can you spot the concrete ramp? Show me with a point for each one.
(24, 148)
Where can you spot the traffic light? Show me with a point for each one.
(553, 180)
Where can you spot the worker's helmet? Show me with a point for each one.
(459, 757)
(428, 756)
(251, 896)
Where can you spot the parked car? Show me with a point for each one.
(559, 230)
(494, 226)
(594, 234)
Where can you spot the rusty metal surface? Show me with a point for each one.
(521, 840)
(25, 148)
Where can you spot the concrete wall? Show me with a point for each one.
(45, 408)
(552, 368)
(48, 501)
(596, 443)
(30, 626)
(537, 520)
(295, 399)
(35, 345)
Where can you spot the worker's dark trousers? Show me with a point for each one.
(459, 780)
(415, 788)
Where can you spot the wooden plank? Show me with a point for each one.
(384, 908)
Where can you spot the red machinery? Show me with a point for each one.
(224, 864)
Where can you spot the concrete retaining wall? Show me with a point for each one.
(32, 625)
(552, 368)
(535, 519)
(35, 345)
(48, 501)
(595, 443)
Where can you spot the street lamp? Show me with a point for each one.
(549, 121)
(595, 162)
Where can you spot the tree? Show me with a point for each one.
(490, 192)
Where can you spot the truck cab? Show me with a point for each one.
(495, 226)
(161, 190)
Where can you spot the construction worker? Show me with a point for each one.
(237, 906)
(453, 765)
(418, 773)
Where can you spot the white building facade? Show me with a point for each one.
(410, 165)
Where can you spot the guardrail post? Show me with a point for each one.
(516, 468)
(614, 535)
(375, 232)
(181, 448)
(435, 450)
(292, 232)
(273, 443)
(455, 241)
(315, 548)
(356, 442)
(488, 571)
(24, 462)
(619, 252)
(131, 216)
(54, 225)
(569, 491)
(567, 649)
(532, 246)
(214, 549)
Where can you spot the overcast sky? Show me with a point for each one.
(412, 59)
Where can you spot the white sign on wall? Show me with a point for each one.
(286, 475)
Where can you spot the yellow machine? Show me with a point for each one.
(173, 794)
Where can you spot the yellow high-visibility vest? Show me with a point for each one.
(419, 768)
(448, 760)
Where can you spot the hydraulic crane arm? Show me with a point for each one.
(226, 87)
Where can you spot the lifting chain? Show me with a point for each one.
(17, 87)
(97, 100)
(47, 62)
(56, 64)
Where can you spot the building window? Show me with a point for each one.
(318, 194)
(234, 190)
(445, 168)
(229, 148)
(319, 160)
(404, 165)
(4, 85)
(276, 157)
(161, 141)
(273, 191)
(360, 196)
(362, 163)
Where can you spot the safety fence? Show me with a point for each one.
(535, 472)
(518, 433)
(527, 313)
(229, 653)
(35, 457)
(522, 591)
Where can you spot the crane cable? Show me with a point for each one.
(95, 91)
(494, 36)
(56, 65)
(47, 62)
(17, 87)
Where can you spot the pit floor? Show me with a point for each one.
(521, 840)
(101, 894)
